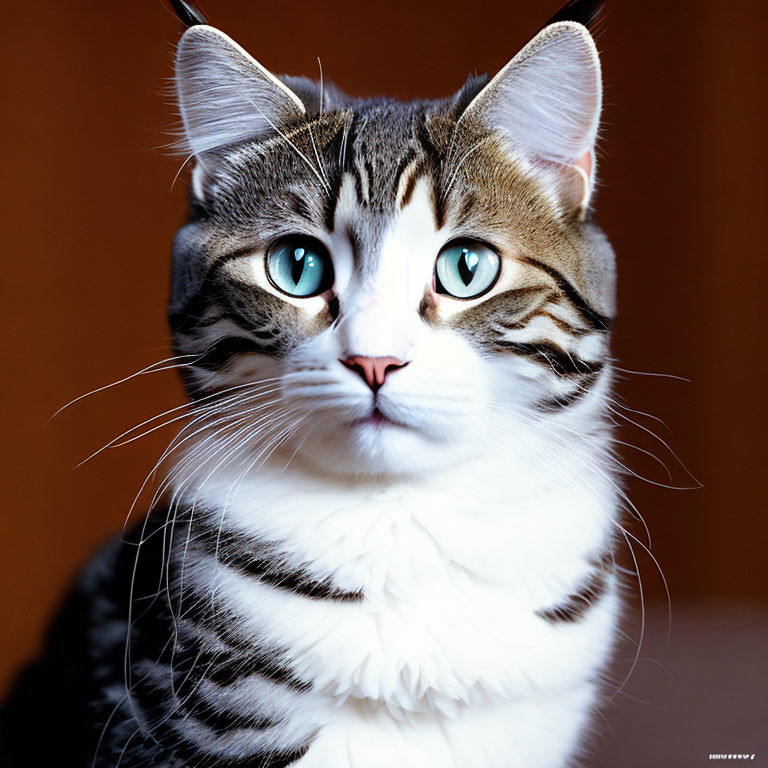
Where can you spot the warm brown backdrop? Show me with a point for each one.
(89, 212)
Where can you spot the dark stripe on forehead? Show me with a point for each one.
(368, 165)
(431, 166)
(329, 210)
(299, 206)
(357, 178)
(408, 157)
(405, 161)
(410, 185)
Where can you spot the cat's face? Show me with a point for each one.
(382, 288)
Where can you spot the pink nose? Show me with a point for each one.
(373, 370)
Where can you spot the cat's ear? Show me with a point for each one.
(547, 102)
(225, 96)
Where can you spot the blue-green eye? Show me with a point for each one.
(299, 266)
(466, 269)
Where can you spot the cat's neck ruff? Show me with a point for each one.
(456, 560)
(493, 517)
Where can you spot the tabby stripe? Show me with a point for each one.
(558, 322)
(217, 318)
(363, 186)
(329, 210)
(196, 757)
(465, 212)
(263, 561)
(358, 185)
(433, 162)
(563, 401)
(595, 318)
(562, 363)
(408, 157)
(410, 185)
(223, 350)
(368, 177)
(405, 160)
(153, 701)
(575, 606)
(222, 722)
(226, 667)
(266, 569)
(299, 206)
(190, 314)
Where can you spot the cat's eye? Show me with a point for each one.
(466, 269)
(299, 266)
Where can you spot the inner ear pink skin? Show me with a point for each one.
(585, 163)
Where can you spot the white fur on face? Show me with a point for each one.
(432, 403)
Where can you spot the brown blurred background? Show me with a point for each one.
(89, 210)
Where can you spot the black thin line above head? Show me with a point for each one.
(585, 12)
(189, 14)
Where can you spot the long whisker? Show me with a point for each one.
(173, 446)
(123, 439)
(655, 437)
(647, 373)
(148, 369)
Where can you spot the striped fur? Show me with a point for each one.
(416, 574)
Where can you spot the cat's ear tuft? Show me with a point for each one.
(546, 101)
(225, 96)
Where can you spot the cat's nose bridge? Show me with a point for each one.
(374, 336)
(376, 326)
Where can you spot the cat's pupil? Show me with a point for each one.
(468, 265)
(299, 264)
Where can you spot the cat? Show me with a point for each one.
(389, 532)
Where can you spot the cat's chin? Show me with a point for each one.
(379, 446)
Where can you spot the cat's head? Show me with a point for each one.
(389, 288)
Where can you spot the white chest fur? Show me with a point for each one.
(445, 659)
